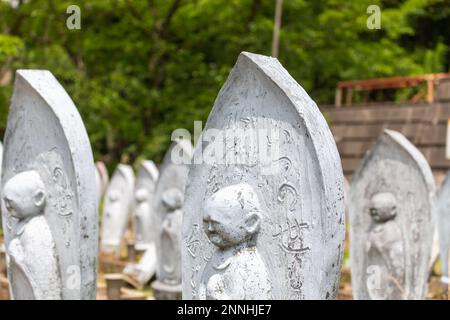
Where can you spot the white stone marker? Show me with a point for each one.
(144, 225)
(264, 210)
(143, 215)
(49, 202)
(391, 201)
(169, 198)
(443, 221)
(102, 178)
(116, 209)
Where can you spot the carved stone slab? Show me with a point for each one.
(116, 208)
(391, 195)
(49, 202)
(102, 178)
(169, 198)
(141, 272)
(267, 227)
(443, 222)
(143, 214)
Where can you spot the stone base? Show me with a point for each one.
(164, 291)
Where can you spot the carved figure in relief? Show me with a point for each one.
(385, 249)
(33, 264)
(236, 270)
(114, 209)
(143, 208)
(170, 271)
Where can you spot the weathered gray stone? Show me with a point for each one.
(264, 213)
(143, 214)
(116, 209)
(144, 225)
(391, 200)
(101, 177)
(49, 202)
(169, 198)
(443, 221)
(141, 272)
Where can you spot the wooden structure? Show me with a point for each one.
(425, 125)
(349, 87)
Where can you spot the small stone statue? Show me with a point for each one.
(231, 220)
(168, 285)
(171, 237)
(385, 247)
(49, 199)
(33, 265)
(391, 201)
(141, 214)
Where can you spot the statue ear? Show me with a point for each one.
(39, 197)
(252, 222)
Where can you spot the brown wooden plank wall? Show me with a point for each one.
(356, 128)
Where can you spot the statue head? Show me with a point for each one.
(24, 195)
(232, 216)
(141, 195)
(114, 195)
(383, 207)
(172, 199)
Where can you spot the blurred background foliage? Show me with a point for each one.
(138, 69)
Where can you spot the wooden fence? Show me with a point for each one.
(356, 128)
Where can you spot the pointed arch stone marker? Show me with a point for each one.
(143, 213)
(116, 209)
(168, 202)
(49, 198)
(264, 211)
(443, 223)
(392, 196)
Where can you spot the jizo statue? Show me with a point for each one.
(231, 220)
(391, 201)
(167, 204)
(49, 199)
(263, 216)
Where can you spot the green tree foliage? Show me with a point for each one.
(138, 69)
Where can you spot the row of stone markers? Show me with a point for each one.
(254, 211)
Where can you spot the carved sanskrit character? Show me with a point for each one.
(236, 270)
(33, 266)
(170, 271)
(385, 249)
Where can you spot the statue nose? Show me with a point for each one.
(210, 226)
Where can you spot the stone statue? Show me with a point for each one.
(144, 225)
(48, 199)
(231, 220)
(170, 236)
(102, 178)
(139, 274)
(443, 222)
(391, 200)
(264, 206)
(24, 196)
(116, 209)
(169, 199)
(144, 219)
(385, 248)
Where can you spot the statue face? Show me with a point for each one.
(172, 199)
(231, 216)
(24, 195)
(141, 195)
(114, 195)
(383, 207)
